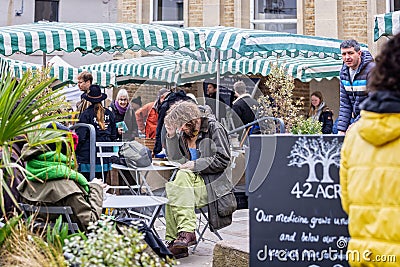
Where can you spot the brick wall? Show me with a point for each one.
(195, 18)
(127, 11)
(354, 13)
(228, 16)
(309, 17)
(302, 90)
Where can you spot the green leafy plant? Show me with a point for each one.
(58, 233)
(22, 247)
(106, 246)
(307, 126)
(25, 111)
(6, 230)
(279, 103)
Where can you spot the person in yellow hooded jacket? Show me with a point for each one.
(370, 168)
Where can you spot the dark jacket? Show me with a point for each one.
(162, 111)
(325, 116)
(353, 93)
(210, 100)
(244, 109)
(130, 120)
(108, 135)
(213, 165)
(327, 121)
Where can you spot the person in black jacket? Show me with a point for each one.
(211, 101)
(320, 112)
(169, 100)
(244, 106)
(103, 121)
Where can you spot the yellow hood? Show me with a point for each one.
(379, 128)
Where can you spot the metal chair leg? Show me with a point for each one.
(201, 234)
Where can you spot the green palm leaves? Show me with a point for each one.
(27, 106)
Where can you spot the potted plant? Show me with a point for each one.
(307, 126)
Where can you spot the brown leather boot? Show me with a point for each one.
(177, 252)
(185, 239)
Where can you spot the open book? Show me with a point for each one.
(165, 162)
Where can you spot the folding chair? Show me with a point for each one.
(206, 224)
(65, 211)
(102, 154)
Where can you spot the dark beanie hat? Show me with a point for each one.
(137, 100)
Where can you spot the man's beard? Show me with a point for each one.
(192, 130)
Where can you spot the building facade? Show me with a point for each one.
(15, 12)
(341, 19)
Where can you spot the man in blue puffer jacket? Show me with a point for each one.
(354, 75)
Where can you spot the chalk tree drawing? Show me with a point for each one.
(313, 151)
(303, 153)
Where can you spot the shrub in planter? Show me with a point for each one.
(279, 103)
(106, 246)
(307, 126)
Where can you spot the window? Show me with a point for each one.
(274, 15)
(394, 5)
(167, 12)
(46, 10)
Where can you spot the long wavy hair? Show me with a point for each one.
(386, 75)
(313, 109)
(99, 110)
(181, 113)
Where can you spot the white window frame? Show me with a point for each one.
(164, 22)
(254, 21)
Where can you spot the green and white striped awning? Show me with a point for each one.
(387, 24)
(226, 42)
(179, 70)
(62, 73)
(96, 38)
(304, 69)
(154, 68)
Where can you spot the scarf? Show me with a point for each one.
(51, 166)
(120, 109)
(316, 113)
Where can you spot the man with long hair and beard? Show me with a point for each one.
(200, 143)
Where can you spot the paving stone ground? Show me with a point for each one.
(233, 248)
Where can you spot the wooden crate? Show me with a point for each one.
(149, 142)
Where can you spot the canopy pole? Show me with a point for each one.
(44, 60)
(218, 82)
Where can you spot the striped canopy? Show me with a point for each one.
(62, 73)
(304, 69)
(96, 38)
(387, 24)
(235, 43)
(154, 68)
(179, 70)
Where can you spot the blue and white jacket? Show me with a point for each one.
(353, 93)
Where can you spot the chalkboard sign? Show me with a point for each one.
(296, 218)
